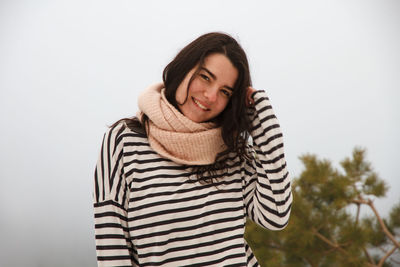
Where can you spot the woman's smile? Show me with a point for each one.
(198, 104)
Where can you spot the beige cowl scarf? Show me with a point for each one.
(176, 137)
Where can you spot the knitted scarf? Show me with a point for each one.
(176, 137)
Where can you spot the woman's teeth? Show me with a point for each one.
(200, 105)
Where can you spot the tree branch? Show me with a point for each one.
(378, 217)
(334, 245)
(380, 264)
(326, 240)
(369, 256)
(358, 213)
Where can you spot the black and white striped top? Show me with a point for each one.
(150, 211)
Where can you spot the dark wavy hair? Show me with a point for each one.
(233, 120)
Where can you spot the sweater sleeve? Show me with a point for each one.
(113, 244)
(266, 182)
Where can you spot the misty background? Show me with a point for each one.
(70, 68)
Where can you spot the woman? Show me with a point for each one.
(174, 185)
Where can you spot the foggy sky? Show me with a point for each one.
(70, 68)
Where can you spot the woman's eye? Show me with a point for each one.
(205, 77)
(226, 92)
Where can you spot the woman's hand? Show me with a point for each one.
(249, 100)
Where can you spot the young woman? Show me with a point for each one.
(175, 184)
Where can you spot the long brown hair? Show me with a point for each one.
(233, 120)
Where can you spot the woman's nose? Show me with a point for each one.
(211, 94)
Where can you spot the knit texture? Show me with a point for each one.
(176, 137)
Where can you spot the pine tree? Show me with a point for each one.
(323, 230)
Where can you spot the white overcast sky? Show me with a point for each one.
(70, 68)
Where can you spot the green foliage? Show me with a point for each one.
(394, 221)
(371, 228)
(322, 230)
(360, 173)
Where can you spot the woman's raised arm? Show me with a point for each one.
(267, 186)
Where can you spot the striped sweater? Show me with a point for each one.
(150, 211)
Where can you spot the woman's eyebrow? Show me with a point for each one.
(209, 72)
(214, 77)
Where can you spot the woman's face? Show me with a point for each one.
(210, 90)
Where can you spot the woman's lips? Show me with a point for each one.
(197, 102)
